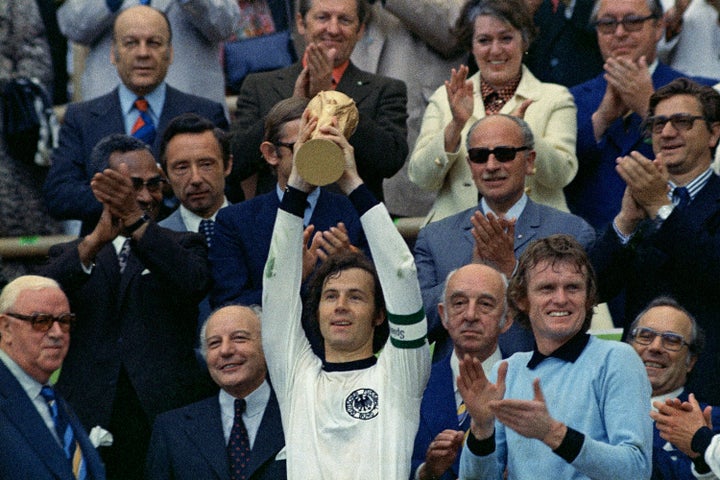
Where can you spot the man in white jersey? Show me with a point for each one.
(351, 414)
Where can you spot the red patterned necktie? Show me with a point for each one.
(239, 444)
(143, 128)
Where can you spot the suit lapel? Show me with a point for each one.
(526, 227)
(355, 83)
(203, 427)
(269, 440)
(20, 411)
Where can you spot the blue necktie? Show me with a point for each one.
(238, 444)
(65, 433)
(207, 228)
(681, 197)
(143, 128)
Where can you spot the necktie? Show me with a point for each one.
(144, 2)
(143, 128)
(207, 228)
(239, 444)
(681, 197)
(65, 432)
(123, 255)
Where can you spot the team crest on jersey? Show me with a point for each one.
(362, 404)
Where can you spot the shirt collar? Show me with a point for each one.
(31, 386)
(348, 366)
(513, 212)
(337, 72)
(255, 401)
(695, 185)
(505, 93)
(665, 396)
(568, 352)
(192, 220)
(155, 99)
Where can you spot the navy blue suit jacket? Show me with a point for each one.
(680, 259)
(597, 189)
(29, 450)
(669, 463)
(188, 444)
(445, 245)
(437, 413)
(242, 242)
(67, 187)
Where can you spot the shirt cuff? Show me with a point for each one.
(570, 446)
(363, 199)
(624, 239)
(481, 448)
(294, 201)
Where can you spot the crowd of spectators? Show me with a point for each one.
(218, 315)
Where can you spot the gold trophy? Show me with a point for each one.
(320, 161)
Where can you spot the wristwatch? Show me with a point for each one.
(664, 212)
(135, 225)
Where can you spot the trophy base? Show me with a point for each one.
(319, 162)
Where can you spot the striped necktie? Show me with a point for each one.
(681, 196)
(143, 128)
(65, 433)
(123, 255)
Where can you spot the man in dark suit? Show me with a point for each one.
(496, 231)
(668, 340)
(193, 442)
(35, 322)
(195, 156)
(330, 29)
(565, 50)
(243, 231)
(474, 313)
(666, 240)
(611, 106)
(142, 53)
(135, 287)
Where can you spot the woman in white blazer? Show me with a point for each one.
(497, 32)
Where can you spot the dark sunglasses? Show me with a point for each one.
(670, 341)
(153, 185)
(631, 23)
(682, 122)
(502, 154)
(42, 322)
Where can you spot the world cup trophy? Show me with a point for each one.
(320, 161)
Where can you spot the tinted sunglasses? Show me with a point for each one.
(42, 322)
(502, 154)
(153, 185)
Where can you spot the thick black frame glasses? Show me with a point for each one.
(502, 154)
(671, 341)
(630, 23)
(682, 122)
(153, 185)
(289, 146)
(42, 322)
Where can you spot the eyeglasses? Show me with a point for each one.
(153, 185)
(289, 146)
(42, 322)
(682, 122)
(502, 154)
(631, 23)
(672, 342)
